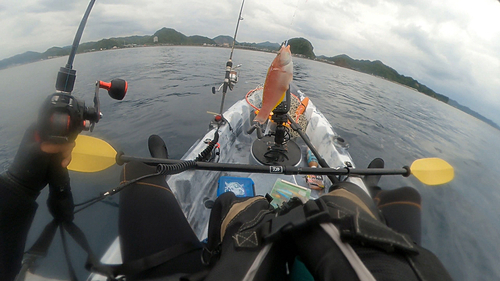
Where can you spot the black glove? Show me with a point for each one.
(61, 206)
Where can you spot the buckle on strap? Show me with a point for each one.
(312, 212)
(354, 228)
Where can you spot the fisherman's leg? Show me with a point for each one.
(402, 210)
(320, 253)
(151, 220)
(357, 221)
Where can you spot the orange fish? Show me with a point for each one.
(278, 78)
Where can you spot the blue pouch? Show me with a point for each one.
(241, 187)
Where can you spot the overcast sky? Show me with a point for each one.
(451, 46)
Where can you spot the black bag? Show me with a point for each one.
(235, 248)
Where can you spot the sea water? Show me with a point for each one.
(170, 93)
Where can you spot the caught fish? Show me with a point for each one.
(278, 78)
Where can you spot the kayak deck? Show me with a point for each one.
(193, 188)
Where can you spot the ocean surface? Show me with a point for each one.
(170, 93)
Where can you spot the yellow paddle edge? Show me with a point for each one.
(93, 155)
(432, 171)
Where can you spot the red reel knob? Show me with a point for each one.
(117, 88)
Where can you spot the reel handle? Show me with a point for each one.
(254, 127)
(117, 88)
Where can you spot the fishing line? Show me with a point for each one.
(291, 23)
(162, 169)
(236, 30)
(228, 83)
(110, 192)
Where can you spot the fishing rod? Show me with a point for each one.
(64, 116)
(67, 75)
(231, 77)
(321, 161)
(236, 30)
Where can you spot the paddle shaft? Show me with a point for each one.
(286, 170)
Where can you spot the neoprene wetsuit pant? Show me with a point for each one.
(151, 220)
(401, 210)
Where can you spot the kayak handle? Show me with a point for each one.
(255, 126)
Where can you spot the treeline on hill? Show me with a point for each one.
(165, 36)
(298, 46)
(301, 46)
(379, 69)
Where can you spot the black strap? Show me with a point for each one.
(38, 250)
(131, 267)
(427, 266)
(41, 246)
(354, 228)
(71, 270)
(311, 213)
(158, 258)
(81, 240)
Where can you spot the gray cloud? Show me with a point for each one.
(53, 5)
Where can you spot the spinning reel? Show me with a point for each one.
(63, 116)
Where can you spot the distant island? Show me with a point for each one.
(300, 47)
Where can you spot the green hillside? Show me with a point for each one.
(301, 46)
(170, 36)
(377, 68)
(224, 39)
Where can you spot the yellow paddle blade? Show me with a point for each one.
(432, 171)
(91, 155)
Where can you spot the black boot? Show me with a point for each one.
(371, 181)
(157, 147)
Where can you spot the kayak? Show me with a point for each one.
(196, 189)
